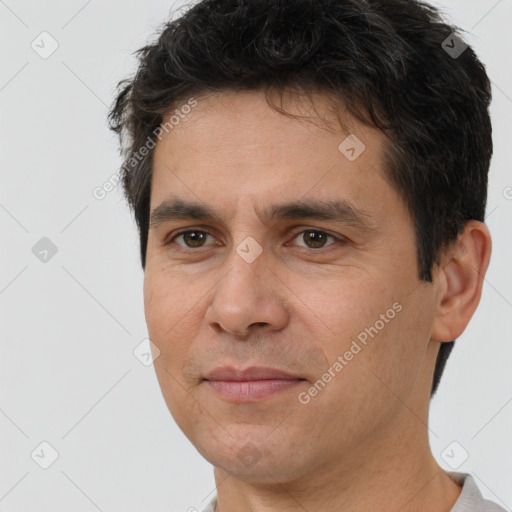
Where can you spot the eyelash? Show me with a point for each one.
(340, 240)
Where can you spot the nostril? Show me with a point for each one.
(262, 324)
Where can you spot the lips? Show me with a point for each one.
(228, 373)
(250, 384)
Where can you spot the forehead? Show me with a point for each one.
(246, 117)
(233, 145)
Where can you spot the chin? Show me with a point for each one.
(242, 459)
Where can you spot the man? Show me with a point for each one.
(309, 182)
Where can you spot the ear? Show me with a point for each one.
(460, 278)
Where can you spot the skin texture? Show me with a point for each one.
(363, 439)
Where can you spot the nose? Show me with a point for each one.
(249, 298)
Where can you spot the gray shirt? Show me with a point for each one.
(470, 499)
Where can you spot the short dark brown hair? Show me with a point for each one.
(394, 64)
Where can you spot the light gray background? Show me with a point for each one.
(68, 327)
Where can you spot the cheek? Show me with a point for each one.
(166, 300)
(380, 332)
(167, 328)
(163, 311)
(155, 305)
(347, 302)
(174, 311)
(392, 355)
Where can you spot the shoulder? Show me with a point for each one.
(471, 499)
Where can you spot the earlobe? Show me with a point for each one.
(461, 275)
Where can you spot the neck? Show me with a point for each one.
(396, 469)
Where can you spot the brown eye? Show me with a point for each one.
(192, 238)
(314, 239)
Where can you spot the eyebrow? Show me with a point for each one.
(339, 211)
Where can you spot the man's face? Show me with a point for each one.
(291, 292)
